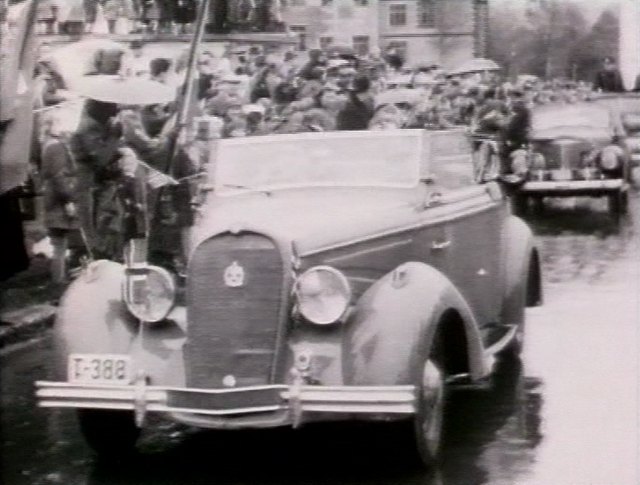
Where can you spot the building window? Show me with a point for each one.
(397, 14)
(427, 13)
(297, 3)
(361, 3)
(361, 44)
(301, 32)
(325, 42)
(326, 3)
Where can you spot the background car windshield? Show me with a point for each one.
(342, 159)
(577, 117)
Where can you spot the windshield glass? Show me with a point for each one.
(336, 159)
(578, 119)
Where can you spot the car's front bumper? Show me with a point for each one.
(568, 188)
(291, 400)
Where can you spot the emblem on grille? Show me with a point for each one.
(229, 381)
(234, 275)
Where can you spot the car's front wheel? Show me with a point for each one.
(109, 433)
(429, 417)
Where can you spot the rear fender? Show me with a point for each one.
(395, 321)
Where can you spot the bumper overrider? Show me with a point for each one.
(294, 400)
(573, 187)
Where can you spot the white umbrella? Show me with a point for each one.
(125, 90)
(77, 59)
(479, 64)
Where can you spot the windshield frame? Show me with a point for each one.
(229, 187)
(563, 127)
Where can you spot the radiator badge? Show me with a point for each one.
(234, 275)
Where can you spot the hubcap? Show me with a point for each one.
(432, 398)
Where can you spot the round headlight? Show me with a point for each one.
(633, 144)
(323, 295)
(610, 157)
(149, 293)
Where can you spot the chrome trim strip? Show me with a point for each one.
(404, 242)
(330, 399)
(447, 216)
(571, 184)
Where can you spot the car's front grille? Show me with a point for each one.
(564, 153)
(234, 292)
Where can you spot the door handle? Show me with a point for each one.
(440, 244)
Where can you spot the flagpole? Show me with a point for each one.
(188, 87)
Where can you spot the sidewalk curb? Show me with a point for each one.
(26, 323)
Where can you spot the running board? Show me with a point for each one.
(464, 382)
(505, 340)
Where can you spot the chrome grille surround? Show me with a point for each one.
(233, 329)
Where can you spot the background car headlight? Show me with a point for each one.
(611, 157)
(323, 295)
(633, 144)
(149, 293)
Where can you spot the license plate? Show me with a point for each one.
(100, 368)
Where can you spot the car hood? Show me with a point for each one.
(314, 218)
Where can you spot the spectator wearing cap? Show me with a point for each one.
(312, 85)
(609, 79)
(287, 69)
(317, 58)
(386, 117)
(358, 110)
(159, 69)
(134, 62)
(254, 116)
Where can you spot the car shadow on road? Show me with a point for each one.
(343, 453)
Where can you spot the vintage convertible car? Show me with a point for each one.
(576, 150)
(331, 276)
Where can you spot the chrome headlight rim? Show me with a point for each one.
(140, 276)
(610, 153)
(337, 315)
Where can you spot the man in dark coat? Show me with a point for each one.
(60, 183)
(609, 79)
(358, 110)
(95, 148)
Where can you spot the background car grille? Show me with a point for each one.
(564, 153)
(232, 331)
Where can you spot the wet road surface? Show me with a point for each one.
(567, 415)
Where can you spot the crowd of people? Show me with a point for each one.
(75, 17)
(248, 92)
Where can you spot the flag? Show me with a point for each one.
(156, 179)
(17, 60)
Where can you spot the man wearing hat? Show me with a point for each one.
(358, 110)
(609, 79)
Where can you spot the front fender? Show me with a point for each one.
(521, 257)
(394, 323)
(93, 319)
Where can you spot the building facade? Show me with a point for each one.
(320, 23)
(445, 32)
